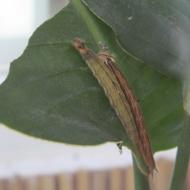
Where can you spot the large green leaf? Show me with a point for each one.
(50, 93)
(155, 31)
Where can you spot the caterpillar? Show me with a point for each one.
(122, 100)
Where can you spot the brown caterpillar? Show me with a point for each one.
(123, 101)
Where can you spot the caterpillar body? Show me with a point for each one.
(122, 100)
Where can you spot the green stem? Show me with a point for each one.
(182, 159)
(141, 181)
(90, 21)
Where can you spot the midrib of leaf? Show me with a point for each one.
(89, 21)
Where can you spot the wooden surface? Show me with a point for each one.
(115, 179)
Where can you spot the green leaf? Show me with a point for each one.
(50, 93)
(154, 31)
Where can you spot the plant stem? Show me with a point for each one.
(182, 159)
(90, 21)
(141, 181)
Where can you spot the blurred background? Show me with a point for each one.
(30, 163)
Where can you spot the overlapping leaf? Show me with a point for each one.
(157, 32)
